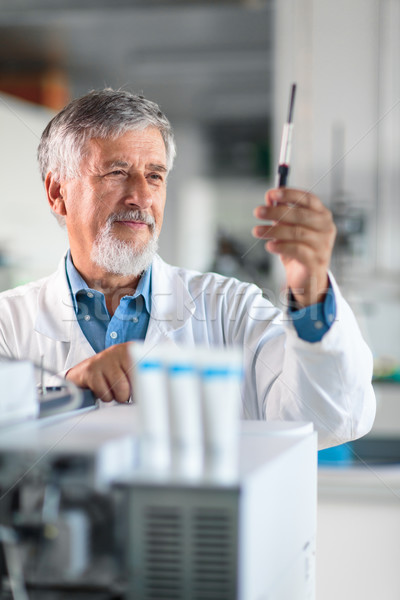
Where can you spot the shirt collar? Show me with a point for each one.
(77, 284)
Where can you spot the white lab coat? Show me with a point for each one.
(286, 378)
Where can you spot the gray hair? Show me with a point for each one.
(100, 114)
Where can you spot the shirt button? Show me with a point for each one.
(113, 335)
(135, 320)
(87, 317)
(90, 294)
(330, 318)
(318, 324)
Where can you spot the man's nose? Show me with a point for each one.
(138, 191)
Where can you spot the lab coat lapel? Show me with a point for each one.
(171, 303)
(55, 314)
(56, 319)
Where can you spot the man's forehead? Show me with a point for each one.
(121, 149)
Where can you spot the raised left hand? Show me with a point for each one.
(302, 232)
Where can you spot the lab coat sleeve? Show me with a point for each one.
(287, 378)
(9, 330)
(5, 350)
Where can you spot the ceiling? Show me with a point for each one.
(208, 60)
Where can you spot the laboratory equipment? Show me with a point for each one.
(79, 518)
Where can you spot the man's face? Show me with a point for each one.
(117, 177)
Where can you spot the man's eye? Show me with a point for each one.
(155, 177)
(114, 174)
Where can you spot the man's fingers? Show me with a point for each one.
(303, 254)
(283, 213)
(106, 374)
(295, 197)
(110, 386)
(294, 233)
(101, 388)
(119, 387)
(296, 216)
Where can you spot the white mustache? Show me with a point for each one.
(133, 215)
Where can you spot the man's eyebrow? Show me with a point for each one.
(156, 167)
(125, 165)
(116, 163)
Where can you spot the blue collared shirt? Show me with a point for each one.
(130, 320)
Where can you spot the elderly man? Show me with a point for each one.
(105, 159)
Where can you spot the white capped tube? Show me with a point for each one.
(221, 375)
(185, 413)
(286, 144)
(149, 387)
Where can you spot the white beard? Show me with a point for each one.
(122, 257)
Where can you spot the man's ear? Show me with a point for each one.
(54, 194)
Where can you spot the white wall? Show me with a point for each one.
(29, 234)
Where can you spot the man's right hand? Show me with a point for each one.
(107, 374)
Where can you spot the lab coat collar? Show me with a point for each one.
(172, 305)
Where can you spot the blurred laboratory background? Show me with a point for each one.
(221, 71)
